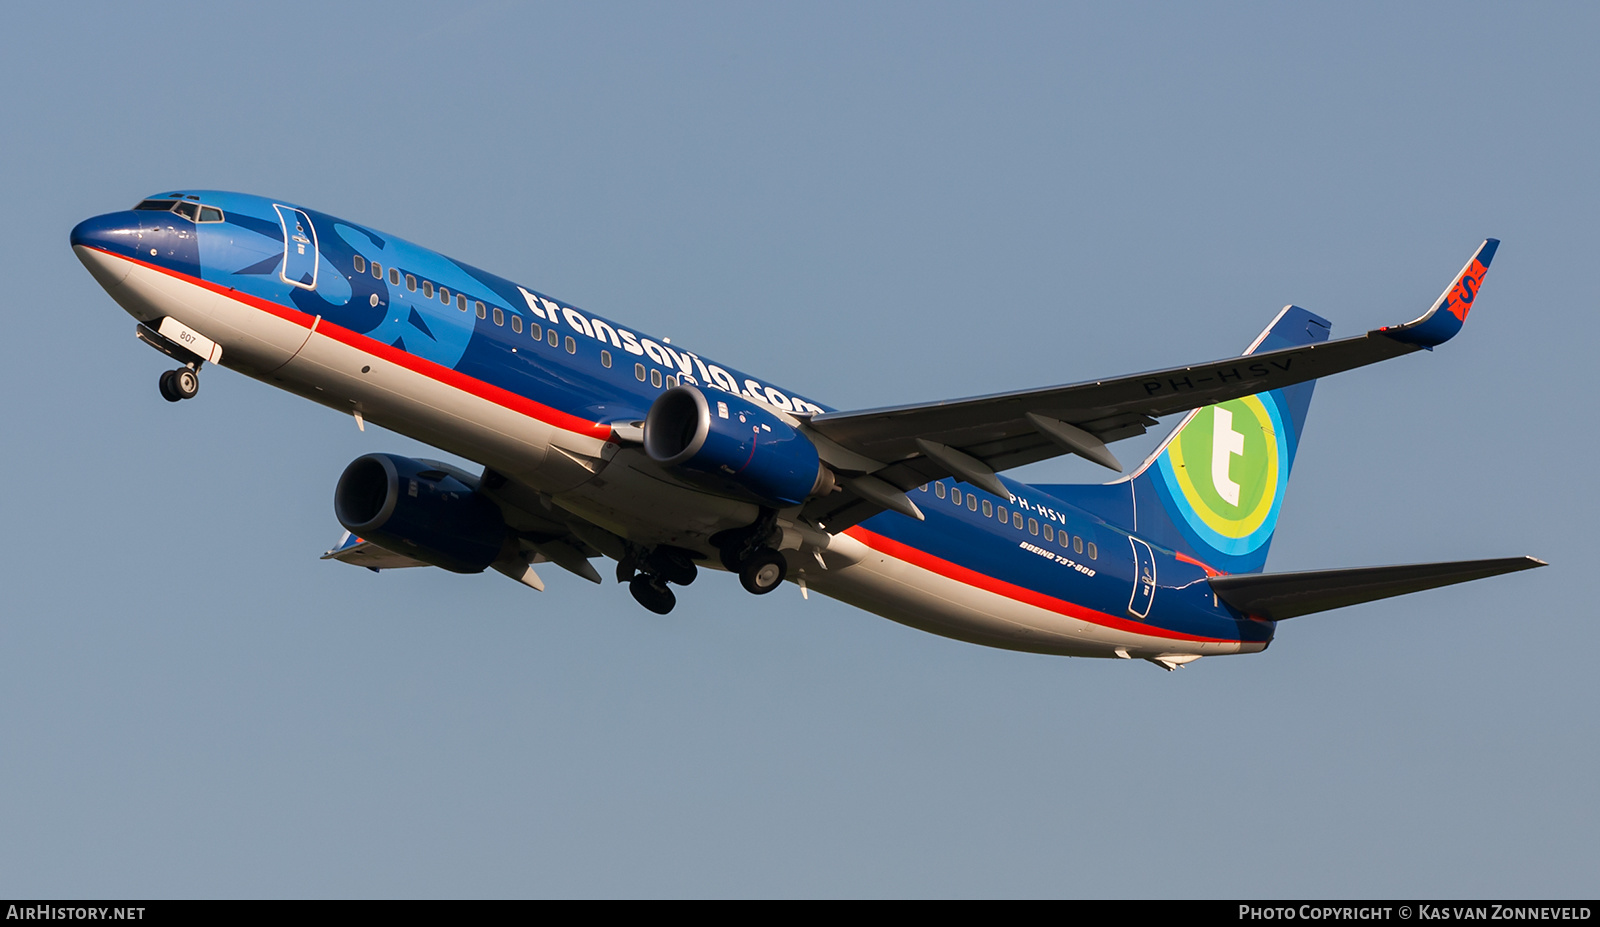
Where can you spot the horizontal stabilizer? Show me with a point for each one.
(1276, 596)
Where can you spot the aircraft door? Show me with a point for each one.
(299, 248)
(1144, 579)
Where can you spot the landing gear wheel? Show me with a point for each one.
(185, 383)
(179, 384)
(167, 392)
(652, 593)
(763, 572)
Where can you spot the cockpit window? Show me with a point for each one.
(190, 211)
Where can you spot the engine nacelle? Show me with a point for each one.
(733, 446)
(414, 508)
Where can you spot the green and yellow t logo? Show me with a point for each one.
(1225, 465)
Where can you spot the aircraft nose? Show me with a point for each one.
(112, 231)
(96, 240)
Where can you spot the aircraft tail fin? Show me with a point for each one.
(1276, 596)
(1213, 489)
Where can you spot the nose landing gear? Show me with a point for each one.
(179, 384)
(185, 346)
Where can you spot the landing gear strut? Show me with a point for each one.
(182, 383)
(745, 551)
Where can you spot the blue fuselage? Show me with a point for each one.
(578, 373)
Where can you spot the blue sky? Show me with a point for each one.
(869, 204)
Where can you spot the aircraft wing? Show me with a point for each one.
(971, 439)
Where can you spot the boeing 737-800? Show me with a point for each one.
(596, 439)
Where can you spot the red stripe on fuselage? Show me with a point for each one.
(1185, 558)
(495, 394)
(1022, 594)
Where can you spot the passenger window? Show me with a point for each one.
(938, 490)
(479, 306)
(1049, 532)
(427, 289)
(655, 378)
(572, 345)
(1000, 513)
(1065, 540)
(1094, 553)
(638, 372)
(955, 495)
(499, 317)
(394, 277)
(555, 339)
(1016, 519)
(482, 313)
(361, 264)
(444, 296)
(988, 509)
(922, 488)
(536, 331)
(461, 302)
(377, 271)
(516, 324)
(671, 382)
(1033, 526)
(411, 283)
(1077, 545)
(605, 358)
(972, 501)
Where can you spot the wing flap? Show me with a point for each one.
(1277, 596)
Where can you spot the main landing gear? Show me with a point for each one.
(179, 384)
(651, 591)
(745, 551)
(648, 574)
(763, 571)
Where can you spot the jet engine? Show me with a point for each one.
(415, 508)
(733, 446)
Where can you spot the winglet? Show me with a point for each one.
(1436, 327)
